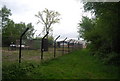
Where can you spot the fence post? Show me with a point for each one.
(73, 45)
(55, 46)
(63, 45)
(78, 45)
(42, 49)
(69, 45)
(21, 44)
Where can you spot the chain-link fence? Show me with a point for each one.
(31, 49)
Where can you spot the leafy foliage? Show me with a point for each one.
(47, 18)
(103, 31)
(5, 13)
(11, 31)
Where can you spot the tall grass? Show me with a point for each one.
(75, 65)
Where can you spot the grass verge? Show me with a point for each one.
(75, 65)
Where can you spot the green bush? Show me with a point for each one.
(16, 71)
(112, 58)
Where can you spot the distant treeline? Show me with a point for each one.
(11, 31)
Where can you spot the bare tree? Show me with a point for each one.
(47, 18)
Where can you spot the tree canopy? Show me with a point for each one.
(47, 18)
(11, 31)
(102, 31)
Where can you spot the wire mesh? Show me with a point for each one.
(31, 50)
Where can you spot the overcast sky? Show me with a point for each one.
(71, 13)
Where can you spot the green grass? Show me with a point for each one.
(75, 65)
